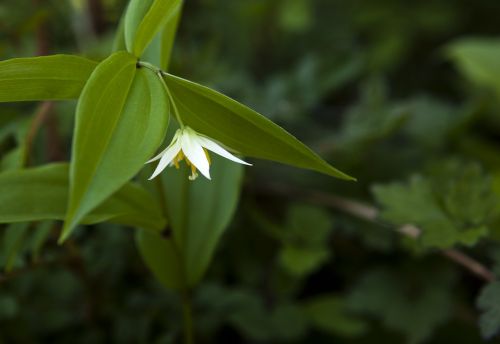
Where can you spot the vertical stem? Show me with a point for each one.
(187, 316)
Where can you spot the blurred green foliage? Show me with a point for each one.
(403, 96)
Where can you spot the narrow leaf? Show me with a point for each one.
(136, 11)
(159, 14)
(242, 129)
(200, 211)
(41, 193)
(158, 52)
(122, 118)
(44, 78)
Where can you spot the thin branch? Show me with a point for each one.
(40, 117)
(370, 213)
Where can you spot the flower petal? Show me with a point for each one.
(217, 149)
(167, 158)
(174, 140)
(194, 152)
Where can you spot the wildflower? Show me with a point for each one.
(192, 147)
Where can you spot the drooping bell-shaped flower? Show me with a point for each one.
(192, 147)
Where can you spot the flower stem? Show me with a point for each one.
(176, 111)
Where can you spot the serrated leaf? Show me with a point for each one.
(53, 77)
(158, 15)
(41, 194)
(454, 206)
(240, 128)
(121, 120)
(414, 307)
(246, 312)
(478, 60)
(489, 303)
(328, 313)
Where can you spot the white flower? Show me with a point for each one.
(188, 145)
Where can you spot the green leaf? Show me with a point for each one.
(302, 261)
(414, 306)
(134, 15)
(41, 194)
(240, 128)
(159, 51)
(158, 15)
(489, 303)
(454, 205)
(163, 259)
(328, 313)
(44, 78)
(478, 60)
(199, 212)
(121, 120)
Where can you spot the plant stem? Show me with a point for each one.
(187, 315)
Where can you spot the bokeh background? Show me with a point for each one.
(382, 89)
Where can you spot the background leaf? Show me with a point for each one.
(122, 118)
(489, 303)
(478, 60)
(329, 313)
(53, 77)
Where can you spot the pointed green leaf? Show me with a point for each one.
(41, 194)
(44, 78)
(159, 51)
(199, 212)
(478, 60)
(242, 129)
(134, 15)
(162, 258)
(121, 120)
(158, 15)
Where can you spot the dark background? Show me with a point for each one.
(369, 85)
